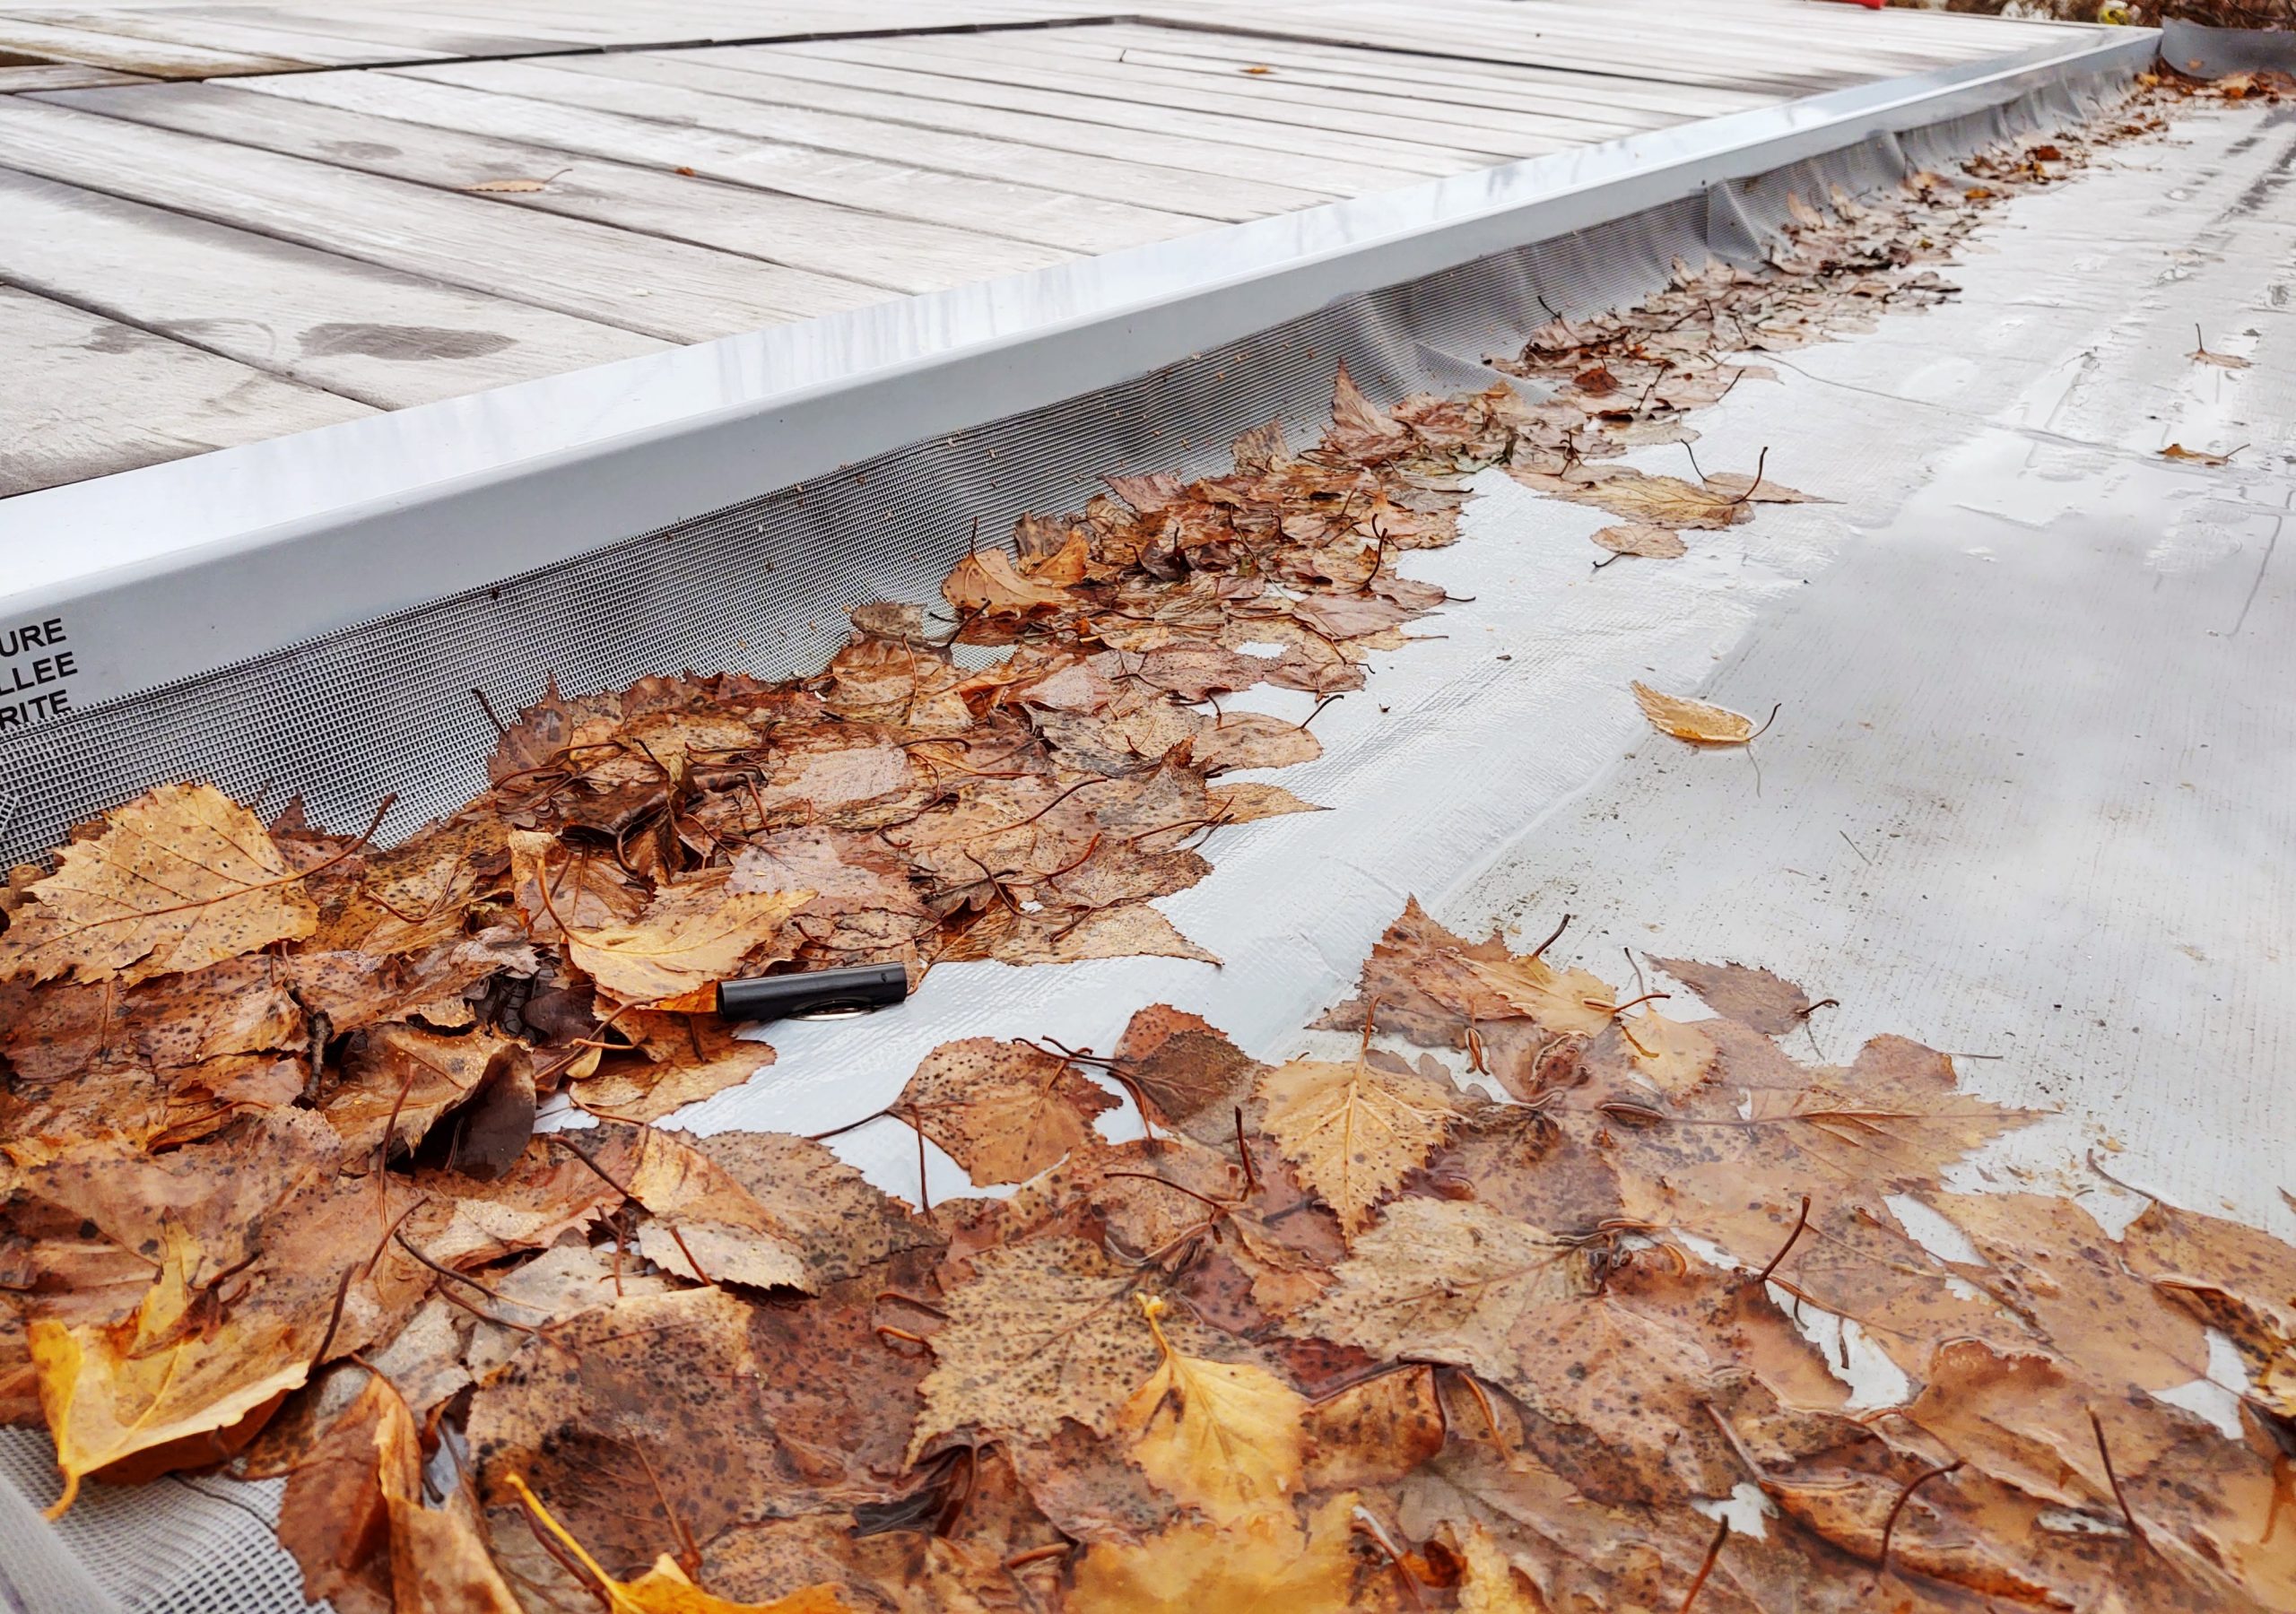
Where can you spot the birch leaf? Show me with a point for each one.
(156, 1384)
(1225, 1437)
(1355, 1130)
(1003, 1111)
(180, 879)
(665, 1589)
(1655, 543)
(689, 938)
(1263, 1564)
(1447, 1281)
(1042, 1331)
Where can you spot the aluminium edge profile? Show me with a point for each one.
(163, 573)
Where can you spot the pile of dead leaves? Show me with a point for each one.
(1341, 1332)
(1336, 1332)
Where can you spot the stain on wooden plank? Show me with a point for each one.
(666, 289)
(384, 338)
(88, 397)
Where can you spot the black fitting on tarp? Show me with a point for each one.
(856, 989)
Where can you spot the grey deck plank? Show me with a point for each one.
(62, 75)
(1078, 225)
(1561, 36)
(386, 339)
(217, 29)
(88, 397)
(721, 98)
(123, 54)
(1165, 166)
(1450, 81)
(665, 289)
(899, 254)
(1108, 72)
(1006, 75)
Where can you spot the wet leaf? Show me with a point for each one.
(1448, 1281)
(1003, 1111)
(1042, 1332)
(1733, 484)
(1755, 997)
(1355, 1130)
(1223, 1437)
(688, 938)
(664, 1588)
(1694, 720)
(1260, 1565)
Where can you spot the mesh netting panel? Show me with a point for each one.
(762, 586)
(182, 1544)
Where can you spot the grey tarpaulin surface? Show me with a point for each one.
(1446, 778)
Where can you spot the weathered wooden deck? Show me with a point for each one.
(221, 222)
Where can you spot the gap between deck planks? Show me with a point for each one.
(386, 339)
(896, 255)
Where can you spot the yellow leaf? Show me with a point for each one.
(1354, 1131)
(1262, 1565)
(688, 937)
(1225, 1437)
(158, 1378)
(665, 1589)
(1694, 720)
(180, 879)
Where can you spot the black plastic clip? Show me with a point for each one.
(823, 993)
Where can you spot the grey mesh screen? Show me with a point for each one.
(760, 586)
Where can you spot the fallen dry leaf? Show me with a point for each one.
(1003, 1111)
(181, 878)
(732, 1374)
(2199, 457)
(1694, 720)
(1657, 543)
(2201, 355)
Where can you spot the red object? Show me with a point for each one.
(1868, 4)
